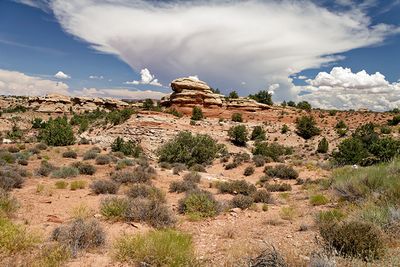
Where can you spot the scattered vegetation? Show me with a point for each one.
(104, 187)
(103, 159)
(248, 171)
(242, 201)
(271, 150)
(237, 117)
(236, 187)
(263, 97)
(70, 154)
(65, 172)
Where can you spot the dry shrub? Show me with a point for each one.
(104, 187)
(242, 201)
(236, 187)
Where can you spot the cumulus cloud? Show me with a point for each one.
(17, 83)
(119, 93)
(95, 77)
(146, 78)
(302, 77)
(62, 75)
(343, 89)
(225, 42)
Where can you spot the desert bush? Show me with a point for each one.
(262, 196)
(323, 146)
(385, 149)
(192, 177)
(7, 157)
(104, 187)
(38, 123)
(15, 238)
(236, 187)
(238, 135)
(70, 154)
(103, 160)
(41, 146)
(199, 204)
(138, 175)
(165, 165)
(15, 133)
(269, 257)
(354, 239)
(61, 184)
(123, 163)
(282, 171)
(304, 105)
(284, 129)
(189, 149)
(79, 235)
(174, 112)
(197, 168)
(271, 150)
(45, 168)
(307, 127)
(8, 204)
(178, 167)
(329, 216)
(146, 191)
(248, 171)
(259, 160)
(182, 186)
(57, 132)
(242, 201)
(278, 187)
(13, 149)
(11, 177)
(288, 213)
(84, 168)
(263, 97)
(258, 133)
(231, 165)
(241, 157)
(79, 184)
(65, 172)
(129, 148)
(197, 114)
(114, 207)
(155, 248)
(233, 95)
(394, 121)
(318, 199)
(350, 151)
(237, 117)
(90, 155)
(386, 130)
(117, 117)
(22, 162)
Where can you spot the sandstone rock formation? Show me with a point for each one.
(189, 92)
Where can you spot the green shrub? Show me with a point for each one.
(284, 129)
(237, 117)
(41, 146)
(259, 160)
(199, 204)
(103, 159)
(350, 151)
(197, 168)
(38, 123)
(278, 187)
(155, 248)
(263, 97)
(178, 167)
(258, 133)
(182, 186)
(231, 165)
(70, 154)
(61, 184)
(307, 127)
(242, 201)
(79, 235)
(114, 207)
(386, 130)
(15, 238)
(385, 149)
(236, 187)
(174, 112)
(262, 196)
(238, 135)
(271, 150)
(248, 171)
(148, 104)
(318, 199)
(329, 216)
(366, 133)
(189, 149)
(394, 121)
(117, 117)
(85, 168)
(197, 114)
(304, 105)
(354, 239)
(75, 185)
(128, 148)
(8, 204)
(341, 125)
(15, 134)
(57, 132)
(104, 187)
(123, 163)
(341, 132)
(233, 95)
(90, 155)
(323, 146)
(65, 172)
(146, 191)
(282, 171)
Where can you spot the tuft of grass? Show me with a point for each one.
(114, 208)
(65, 172)
(15, 238)
(199, 204)
(79, 184)
(288, 213)
(156, 248)
(329, 216)
(318, 200)
(8, 204)
(81, 211)
(61, 184)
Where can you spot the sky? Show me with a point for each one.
(336, 54)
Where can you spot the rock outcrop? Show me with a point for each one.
(189, 92)
(55, 103)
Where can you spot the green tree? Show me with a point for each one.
(197, 114)
(238, 135)
(263, 97)
(258, 133)
(233, 95)
(148, 104)
(57, 132)
(237, 117)
(323, 146)
(304, 105)
(291, 104)
(307, 127)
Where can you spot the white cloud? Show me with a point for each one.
(343, 89)
(302, 77)
(146, 78)
(62, 75)
(95, 77)
(194, 77)
(17, 83)
(225, 42)
(119, 93)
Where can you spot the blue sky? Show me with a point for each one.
(135, 46)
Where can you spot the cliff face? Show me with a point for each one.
(55, 103)
(188, 92)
